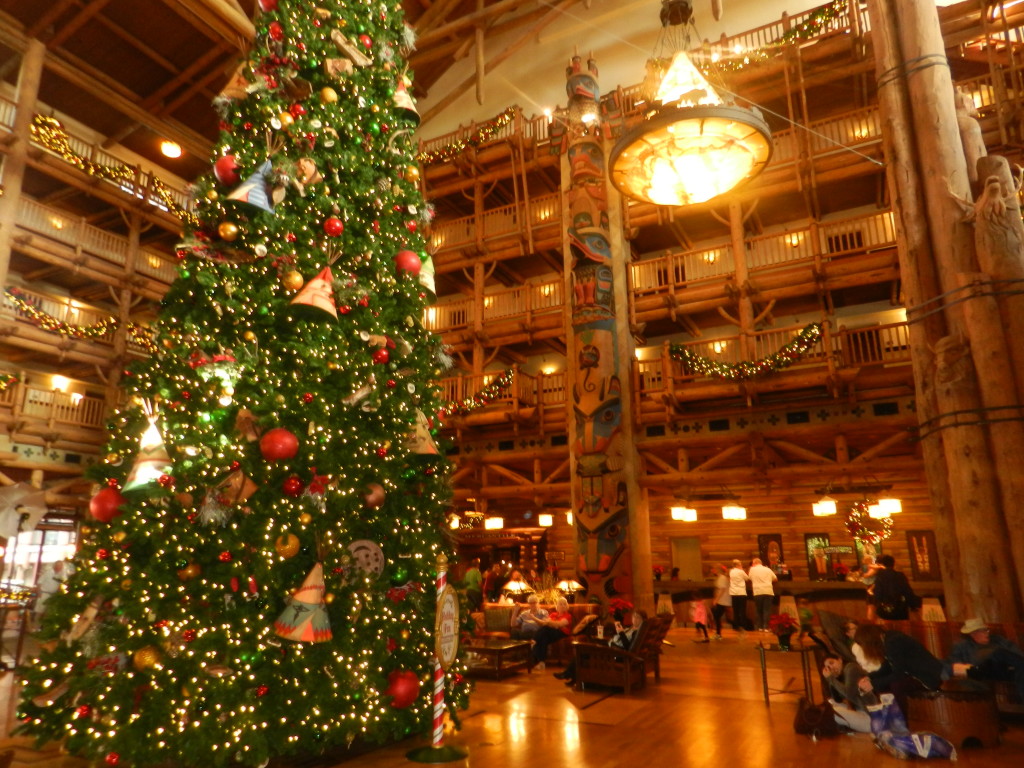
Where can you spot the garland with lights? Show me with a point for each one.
(47, 322)
(862, 526)
(482, 134)
(783, 358)
(15, 595)
(50, 134)
(6, 380)
(485, 396)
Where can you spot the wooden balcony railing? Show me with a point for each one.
(141, 186)
(545, 389)
(73, 232)
(524, 301)
(54, 408)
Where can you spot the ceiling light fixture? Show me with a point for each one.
(170, 148)
(733, 512)
(686, 514)
(824, 507)
(545, 520)
(691, 146)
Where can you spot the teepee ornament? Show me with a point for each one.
(152, 461)
(305, 619)
(255, 190)
(318, 293)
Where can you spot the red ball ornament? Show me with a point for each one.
(344, 309)
(226, 170)
(366, 40)
(268, 5)
(411, 225)
(403, 688)
(334, 226)
(293, 486)
(262, 690)
(83, 711)
(308, 397)
(188, 635)
(392, 383)
(381, 356)
(276, 30)
(104, 506)
(166, 481)
(408, 262)
(382, 451)
(112, 758)
(297, 110)
(224, 557)
(102, 554)
(374, 496)
(278, 443)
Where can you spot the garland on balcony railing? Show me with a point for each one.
(47, 322)
(485, 396)
(12, 594)
(482, 134)
(809, 28)
(6, 380)
(861, 526)
(49, 133)
(748, 369)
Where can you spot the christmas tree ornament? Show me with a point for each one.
(106, 504)
(226, 170)
(318, 293)
(328, 95)
(412, 173)
(367, 557)
(152, 460)
(404, 102)
(374, 496)
(189, 572)
(278, 444)
(213, 512)
(334, 227)
(408, 262)
(268, 5)
(305, 618)
(293, 486)
(286, 120)
(245, 425)
(287, 546)
(403, 688)
(254, 191)
(235, 488)
(292, 280)
(426, 276)
(228, 231)
(420, 440)
(146, 658)
(348, 49)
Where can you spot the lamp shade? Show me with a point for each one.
(876, 512)
(546, 520)
(494, 523)
(734, 512)
(890, 506)
(824, 507)
(686, 514)
(569, 586)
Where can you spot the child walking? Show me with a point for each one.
(699, 617)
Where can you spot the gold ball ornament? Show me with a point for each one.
(286, 119)
(328, 96)
(292, 280)
(405, 633)
(412, 173)
(228, 230)
(168, 343)
(113, 458)
(249, 336)
(85, 530)
(126, 584)
(305, 518)
(287, 546)
(190, 571)
(145, 658)
(212, 194)
(119, 536)
(328, 597)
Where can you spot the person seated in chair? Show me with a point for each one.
(556, 626)
(530, 619)
(989, 656)
(624, 637)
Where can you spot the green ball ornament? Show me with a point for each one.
(400, 576)
(264, 310)
(251, 657)
(375, 129)
(185, 274)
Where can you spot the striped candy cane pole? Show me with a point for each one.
(442, 581)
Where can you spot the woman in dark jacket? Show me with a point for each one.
(897, 663)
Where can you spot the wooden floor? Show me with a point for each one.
(708, 710)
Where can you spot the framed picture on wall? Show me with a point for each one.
(769, 549)
(924, 557)
(819, 561)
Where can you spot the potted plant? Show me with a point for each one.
(658, 571)
(783, 625)
(841, 571)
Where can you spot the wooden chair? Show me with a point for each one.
(650, 645)
(619, 668)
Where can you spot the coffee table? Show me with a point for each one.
(497, 657)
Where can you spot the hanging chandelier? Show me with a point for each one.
(691, 146)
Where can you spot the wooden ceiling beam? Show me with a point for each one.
(77, 22)
(482, 16)
(436, 14)
(223, 20)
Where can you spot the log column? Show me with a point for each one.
(29, 78)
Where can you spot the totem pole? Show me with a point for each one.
(599, 495)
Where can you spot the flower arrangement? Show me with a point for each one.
(659, 570)
(782, 624)
(841, 569)
(619, 607)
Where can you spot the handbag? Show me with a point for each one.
(815, 720)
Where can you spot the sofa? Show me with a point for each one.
(495, 620)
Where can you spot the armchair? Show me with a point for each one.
(620, 668)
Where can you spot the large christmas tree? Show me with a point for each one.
(258, 576)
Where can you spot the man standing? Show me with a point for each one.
(473, 583)
(991, 656)
(738, 594)
(761, 579)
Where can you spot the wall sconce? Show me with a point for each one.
(719, 346)
(60, 383)
(568, 518)
(824, 506)
(686, 514)
(494, 523)
(733, 512)
(546, 520)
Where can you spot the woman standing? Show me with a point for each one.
(738, 594)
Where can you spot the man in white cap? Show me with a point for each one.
(991, 656)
